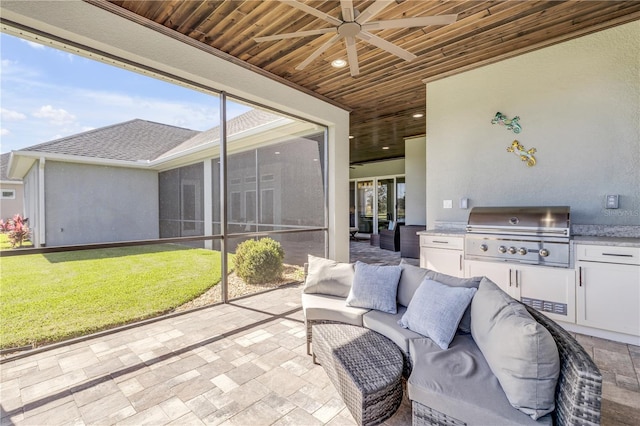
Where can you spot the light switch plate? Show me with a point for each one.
(612, 201)
(447, 204)
(464, 203)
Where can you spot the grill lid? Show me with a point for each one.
(541, 221)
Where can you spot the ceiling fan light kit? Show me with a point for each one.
(355, 25)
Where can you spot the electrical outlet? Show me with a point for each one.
(447, 204)
(612, 201)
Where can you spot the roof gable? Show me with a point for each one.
(135, 140)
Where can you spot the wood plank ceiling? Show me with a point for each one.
(388, 90)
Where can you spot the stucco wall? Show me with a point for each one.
(91, 204)
(579, 106)
(378, 168)
(31, 203)
(12, 206)
(415, 151)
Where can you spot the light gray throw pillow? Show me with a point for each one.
(412, 277)
(375, 287)
(520, 352)
(435, 311)
(326, 276)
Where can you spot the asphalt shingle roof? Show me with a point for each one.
(4, 164)
(132, 141)
(249, 120)
(141, 140)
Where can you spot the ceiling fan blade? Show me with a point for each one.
(319, 52)
(373, 10)
(385, 45)
(294, 35)
(411, 22)
(352, 55)
(311, 11)
(347, 10)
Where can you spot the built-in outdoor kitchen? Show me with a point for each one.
(585, 277)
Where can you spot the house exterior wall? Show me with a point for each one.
(15, 205)
(96, 204)
(579, 106)
(31, 210)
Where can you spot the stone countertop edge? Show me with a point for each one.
(606, 241)
(443, 232)
(576, 239)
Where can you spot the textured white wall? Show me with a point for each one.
(579, 104)
(415, 151)
(379, 168)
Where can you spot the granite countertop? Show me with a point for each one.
(444, 232)
(607, 241)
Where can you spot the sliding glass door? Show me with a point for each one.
(376, 203)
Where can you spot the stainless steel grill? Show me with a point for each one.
(533, 235)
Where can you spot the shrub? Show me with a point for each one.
(259, 262)
(18, 231)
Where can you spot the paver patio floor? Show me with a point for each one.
(244, 363)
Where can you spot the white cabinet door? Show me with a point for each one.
(552, 291)
(549, 290)
(608, 297)
(496, 272)
(446, 261)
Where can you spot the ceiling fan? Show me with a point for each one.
(356, 25)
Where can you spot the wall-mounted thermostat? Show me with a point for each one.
(612, 201)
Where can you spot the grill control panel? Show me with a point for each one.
(518, 250)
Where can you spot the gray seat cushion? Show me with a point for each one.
(458, 382)
(331, 308)
(387, 325)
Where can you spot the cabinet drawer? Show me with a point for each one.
(608, 254)
(451, 243)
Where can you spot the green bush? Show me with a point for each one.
(259, 262)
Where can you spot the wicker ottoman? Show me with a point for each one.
(364, 366)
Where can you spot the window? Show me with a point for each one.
(236, 207)
(250, 206)
(266, 215)
(8, 194)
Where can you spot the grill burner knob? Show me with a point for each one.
(522, 251)
(544, 252)
(512, 250)
(484, 247)
(502, 249)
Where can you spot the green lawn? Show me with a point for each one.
(52, 297)
(6, 245)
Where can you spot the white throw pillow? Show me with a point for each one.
(326, 276)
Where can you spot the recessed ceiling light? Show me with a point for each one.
(339, 63)
(418, 115)
(385, 147)
(351, 136)
(277, 152)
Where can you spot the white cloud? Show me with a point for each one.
(32, 44)
(9, 115)
(4, 132)
(57, 117)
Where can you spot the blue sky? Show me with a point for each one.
(46, 94)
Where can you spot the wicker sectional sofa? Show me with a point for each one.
(456, 385)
